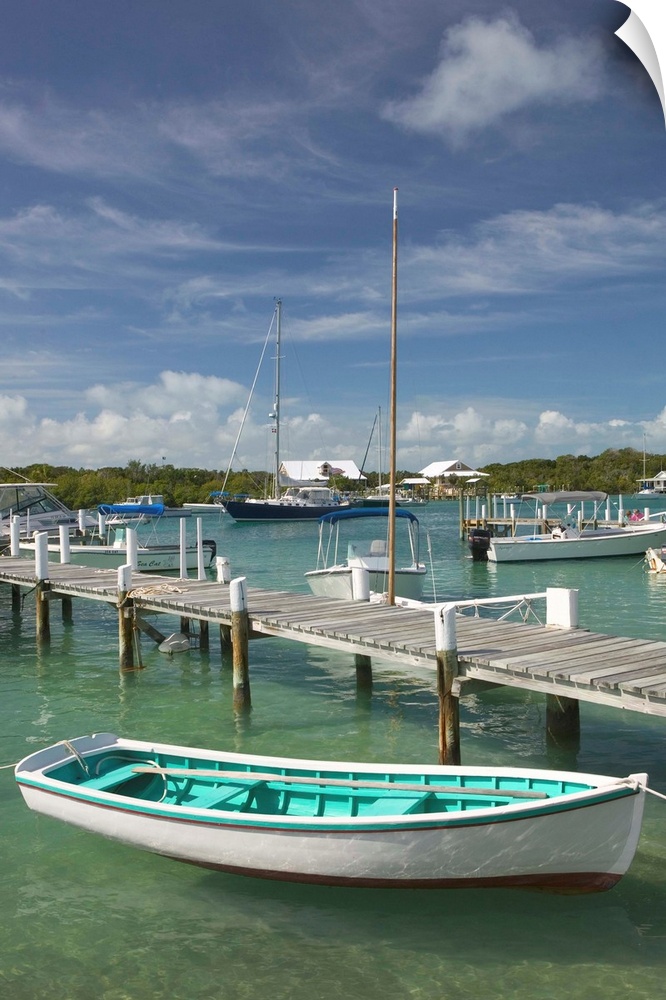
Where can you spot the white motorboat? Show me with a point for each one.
(336, 574)
(38, 509)
(585, 539)
(151, 558)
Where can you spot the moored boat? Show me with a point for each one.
(334, 575)
(574, 536)
(343, 823)
(152, 558)
(294, 504)
(141, 508)
(38, 510)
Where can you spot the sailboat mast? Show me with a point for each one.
(275, 415)
(393, 419)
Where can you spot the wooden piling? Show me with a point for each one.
(43, 624)
(225, 638)
(363, 672)
(67, 615)
(42, 588)
(204, 635)
(240, 633)
(447, 670)
(562, 722)
(125, 620)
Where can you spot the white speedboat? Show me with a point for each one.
(38, 509)
(335, 572)
(569, 543)
(585, 539)
(343, 823)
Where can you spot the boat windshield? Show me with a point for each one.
(18, 498)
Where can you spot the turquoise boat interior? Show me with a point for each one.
(200, 783)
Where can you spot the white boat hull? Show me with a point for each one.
(586, 849)
(583, 841)
(337, 582)
(603, 542)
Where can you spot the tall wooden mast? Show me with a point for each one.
(393, 418)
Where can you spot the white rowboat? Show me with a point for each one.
(342, 823)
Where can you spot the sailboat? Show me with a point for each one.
(645, 488)
(296, 503)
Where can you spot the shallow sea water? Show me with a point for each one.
(82, 918)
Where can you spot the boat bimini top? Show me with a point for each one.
(348, 513)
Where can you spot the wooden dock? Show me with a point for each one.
(564, 663)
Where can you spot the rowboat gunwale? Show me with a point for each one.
(604, 789)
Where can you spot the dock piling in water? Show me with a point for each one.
(42, 608)
(125, 619)
(447, 670)
(240, 632)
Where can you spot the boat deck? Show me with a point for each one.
(574, 663)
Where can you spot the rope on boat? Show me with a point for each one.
(658, 795)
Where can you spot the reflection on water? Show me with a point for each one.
(85, 918)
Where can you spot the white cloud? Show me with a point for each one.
(175, 392)
(194, 421)
(491, 69)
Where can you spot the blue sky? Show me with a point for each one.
(169, 168)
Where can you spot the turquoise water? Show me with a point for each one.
(84, 918)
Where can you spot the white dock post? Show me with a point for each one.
(42, 555)
(620, 509)
(183, 548)
(608, 510)
(65, 559)
(15, 536)
(561, 608)
(240, 632)
(42, 586)
(360, 580)
(132, 548)
(65, 552)
(15, 551)
(222, 569)
(201, 569)
(447, 670)
(101, 526)
(646, 513)
(82, 515)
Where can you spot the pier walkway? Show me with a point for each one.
(566, 663)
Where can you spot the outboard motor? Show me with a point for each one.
(479, 543)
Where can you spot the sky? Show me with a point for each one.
(170, 168)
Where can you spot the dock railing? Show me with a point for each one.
(560, 611)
